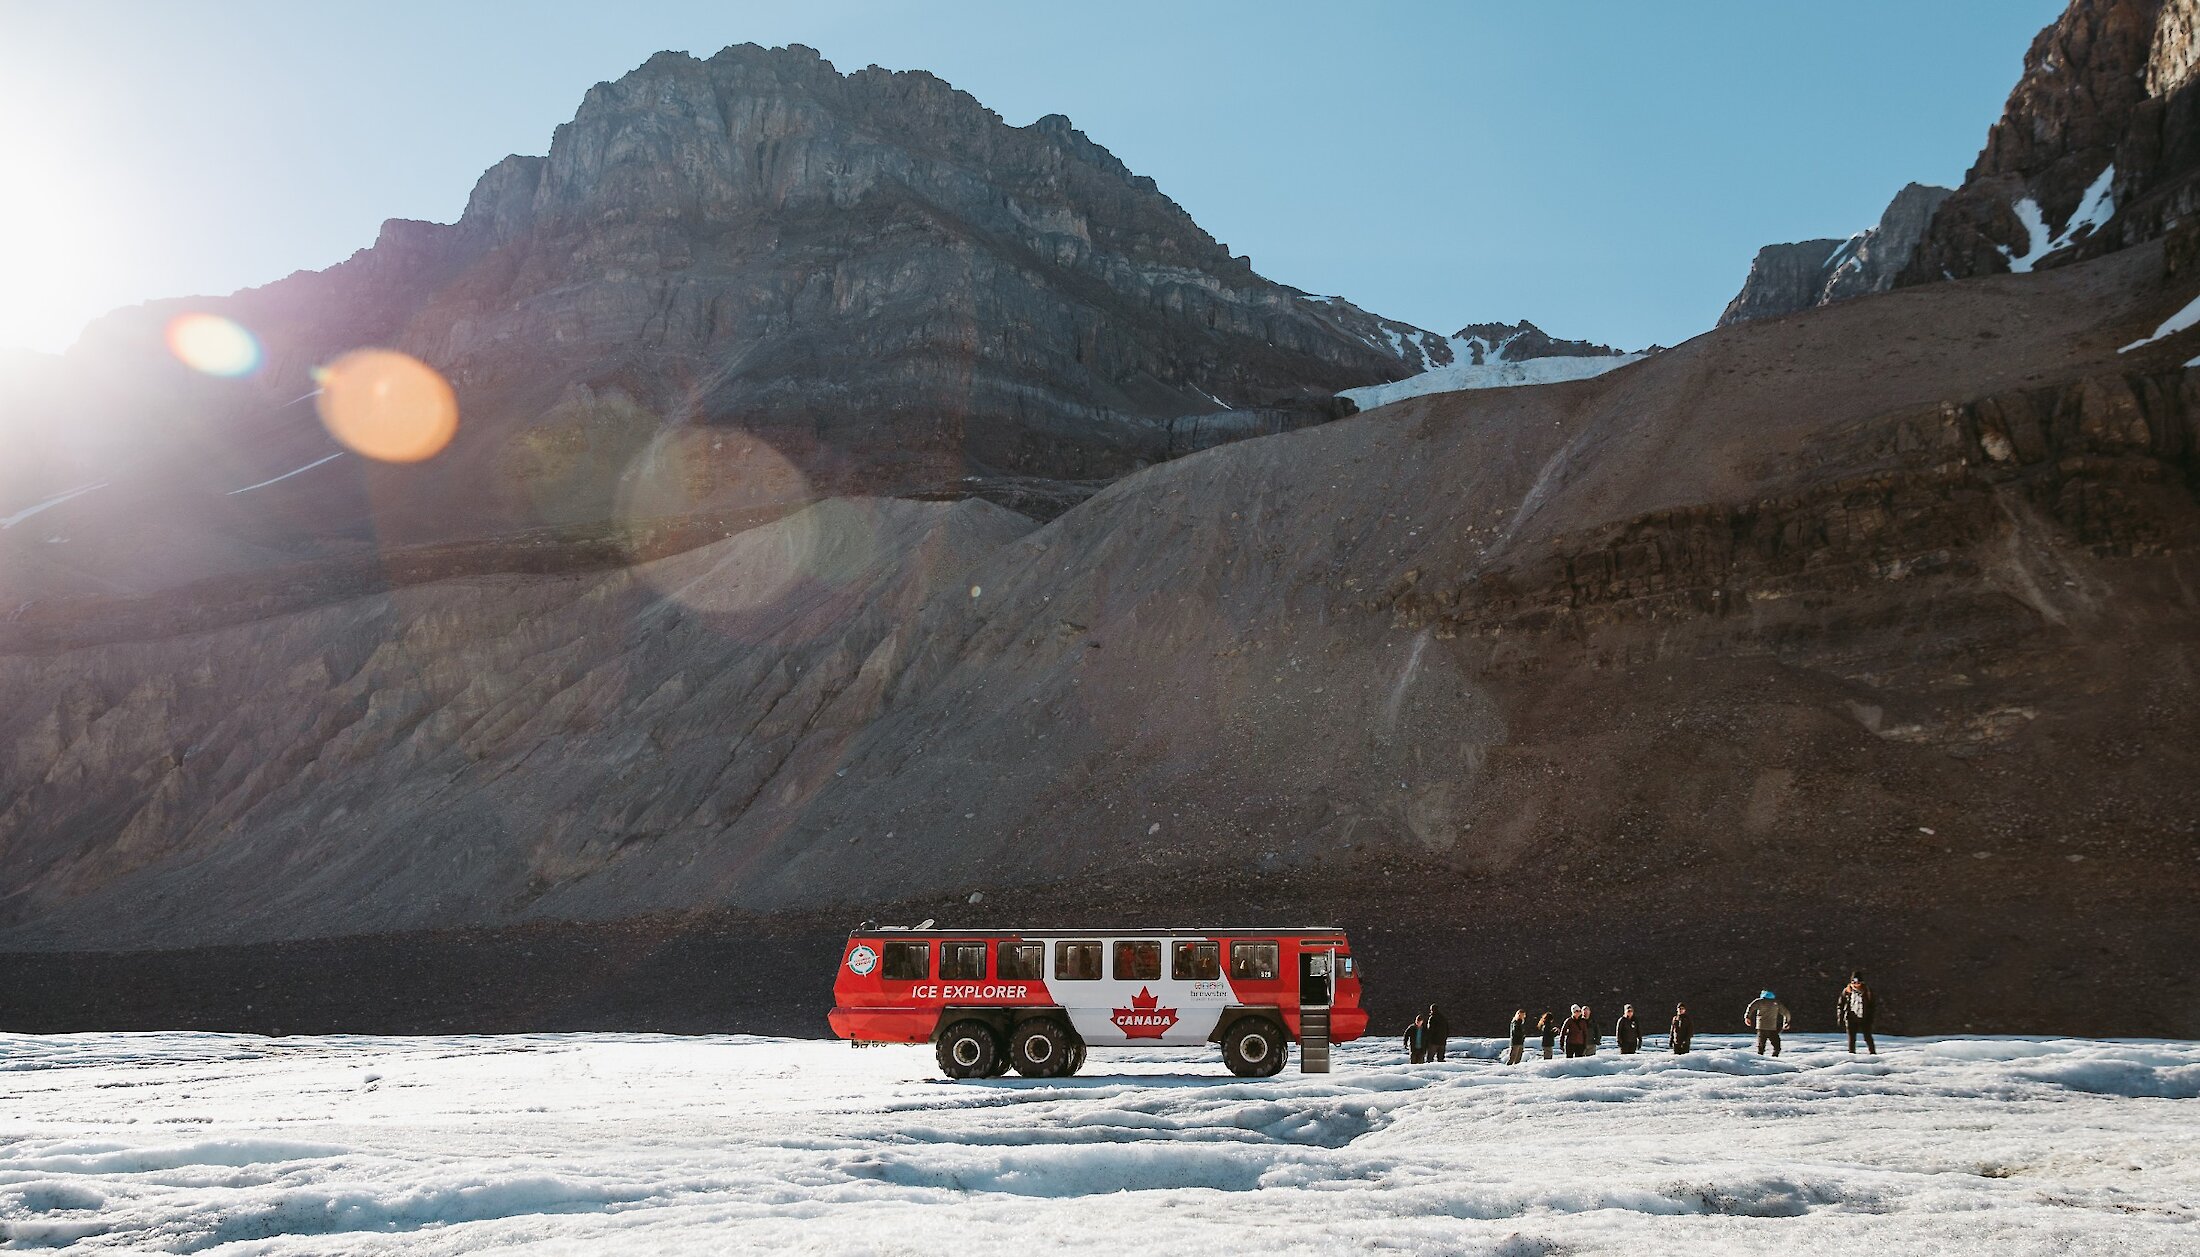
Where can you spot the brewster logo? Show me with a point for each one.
(1142, 1020)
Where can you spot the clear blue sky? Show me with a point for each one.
(1605, 168)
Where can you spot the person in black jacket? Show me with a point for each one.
(1414, 1035)
(1548, 1025)
(1519, 1036)
(1855, 1010)
(1683, 1032)
(1630, 1037)
(1436, 1034)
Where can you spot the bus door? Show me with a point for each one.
(1317, 976)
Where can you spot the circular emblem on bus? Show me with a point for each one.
(862, 960)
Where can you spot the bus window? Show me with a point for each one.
(1195, 962)
(962, 962)
(906, 962)
(1253, 961)
(1077, 962)
(1138, 961)
(1024, 961)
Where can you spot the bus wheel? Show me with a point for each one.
(968, 1049)
(1254, 1048)
(1039, 1048)
(1000, 1064)
(1076, 1058)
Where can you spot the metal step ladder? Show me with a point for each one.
(1313, 1040)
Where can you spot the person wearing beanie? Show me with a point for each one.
(1627, 1032)
(1854, 1012)
(1683, 1032)
(1768, 1017)
(1576, 1032)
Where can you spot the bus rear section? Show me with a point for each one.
(1037, 1001)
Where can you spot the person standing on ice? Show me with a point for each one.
(1548, 1026)
(1627, 1033)
(1683, 1031)
(1855, 1010)
(1576, 1032)
(1520, 1036)
(1436, 1036)
(1589, 1025)
(1768, 1017)
(1414, 1036)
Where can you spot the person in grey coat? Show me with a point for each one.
(1768, 1017)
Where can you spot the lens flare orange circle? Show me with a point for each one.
(387, 405)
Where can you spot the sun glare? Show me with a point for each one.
(55, 268)
(213, 344)
(387, 405)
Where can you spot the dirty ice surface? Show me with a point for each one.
(1464, 374)
(604, 1143)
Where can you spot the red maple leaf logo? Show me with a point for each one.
(1143, 1020)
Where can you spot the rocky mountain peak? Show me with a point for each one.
(1522, 342)
(2098, 147)
(871, 273)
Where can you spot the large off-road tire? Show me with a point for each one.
(1040, 1048)
(1254, 1048)
(1076, 1057)
(1000, 1063)
(968, 1049)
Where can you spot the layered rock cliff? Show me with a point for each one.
(1843, 611)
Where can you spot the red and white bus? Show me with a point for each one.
(1035, 1000)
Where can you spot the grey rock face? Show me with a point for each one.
(1878, 255)
(1522, 341)
(1786, 278)
(1783, 278)
(871, 274)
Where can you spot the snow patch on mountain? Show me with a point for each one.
(2172, 325)
(1477, 362)
(299, 471)
(2093, 212)
(10, 521)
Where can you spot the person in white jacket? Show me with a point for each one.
(1768, 1017)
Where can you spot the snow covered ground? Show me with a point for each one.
(1466, 374)
(603, 1143)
